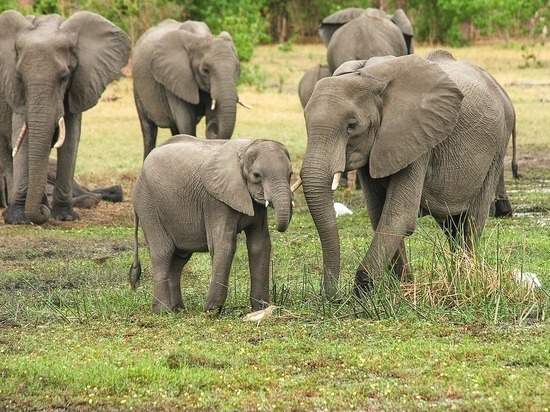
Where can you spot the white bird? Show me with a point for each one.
(341, 209)
(530, 279)
(260, 315)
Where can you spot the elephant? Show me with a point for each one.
(182, 73)
(356, 34)
(51, 71)
(215, 189)
(443, 156)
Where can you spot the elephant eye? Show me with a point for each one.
(352, 125)
(257, 175)
(205, 71)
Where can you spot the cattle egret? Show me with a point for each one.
(260, 315)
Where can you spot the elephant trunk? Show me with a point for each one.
(41, 127)
(282, 203)
(226, 106)
(317, 183)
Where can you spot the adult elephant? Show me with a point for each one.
(182, 73)
(215, 190)
(357, 34)
(51, 71)
(443, 156)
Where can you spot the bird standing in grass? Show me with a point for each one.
(260, 315)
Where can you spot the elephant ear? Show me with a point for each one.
(402, 21)
(420, 108)
(171, 64)
(336, 20)
(222, 176)
(103, 50)
(11, 24)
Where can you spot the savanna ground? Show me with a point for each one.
(464, 335)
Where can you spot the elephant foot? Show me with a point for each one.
(363, 284)
(161, 308)
(502, 208)
(64, 214)
(111, 194)
(14, 215)
(86, 201)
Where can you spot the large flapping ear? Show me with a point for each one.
(12, 23)
(171, 64)
(222, 176)
(336, 20)
(103, 50)
(420, 108)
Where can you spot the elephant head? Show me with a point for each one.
(51, 69)
(379, 115)
(196, 65)
(241, 172)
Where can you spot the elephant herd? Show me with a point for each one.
(426, 135)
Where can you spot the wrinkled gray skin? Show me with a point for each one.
(178, 69)
(359, 34)
(443, 157)
(215, 190)
(51, 69)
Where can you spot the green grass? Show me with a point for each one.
(463, 335)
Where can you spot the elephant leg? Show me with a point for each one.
(3, 192)
(184, 114)
(222, 254)
(458, 230)
(112, 193)
(167, 267)
(62, 204)
(390, 203)
(14, 214)
(502, 205)
(149, 129)
(259, 251)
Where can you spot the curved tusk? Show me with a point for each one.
(296, 185)
(213, 106)
(19, 140)
(336, 180)
(244, 105)
(266, 203)
(293, 204)
(61, 138)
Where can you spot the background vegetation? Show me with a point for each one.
(454, 22)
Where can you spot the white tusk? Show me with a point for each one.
(61, 137)
(293, 204)
(213, 104)
(19, 140)
(244, 105)
(266, 203)
(296, 185)
(336, 180)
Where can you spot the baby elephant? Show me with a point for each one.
(196, 195)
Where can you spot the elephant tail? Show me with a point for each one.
(515, 170)
(135, 270)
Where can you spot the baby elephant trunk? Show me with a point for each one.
(282, 203)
